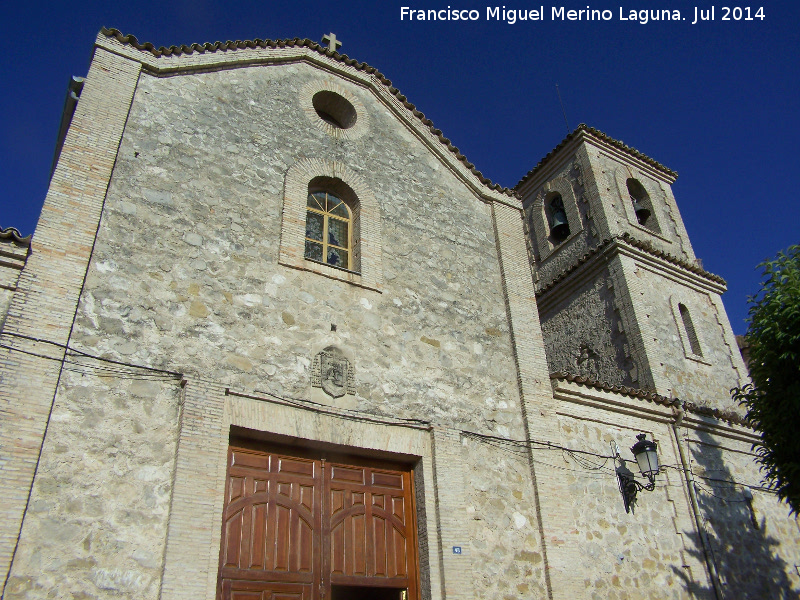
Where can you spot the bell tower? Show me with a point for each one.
(622, 299)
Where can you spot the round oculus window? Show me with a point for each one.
(334, 109)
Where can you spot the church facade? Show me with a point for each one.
(276, 338)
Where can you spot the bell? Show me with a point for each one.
(642, 214)
(560, 228)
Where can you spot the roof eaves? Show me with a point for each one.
(306, 43)
(12, 234)
(636, 243)
(644, 394)
(671, 258)
(584, 128)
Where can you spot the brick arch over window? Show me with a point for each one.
(651, 198)
(314, 174)
(541, 218)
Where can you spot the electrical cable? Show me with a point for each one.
(143, 372)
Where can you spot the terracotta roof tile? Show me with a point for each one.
(690, 266)
(644, 394)
(641, 245)
(606, 138)
(12, 234)
(306, 43)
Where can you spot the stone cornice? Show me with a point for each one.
(220, 55)
(700, 416)
(589, 134)
(641, 250)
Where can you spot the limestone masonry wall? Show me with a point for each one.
(755, 543)
(168, 303)
(583, 334)
(185, 272)
(704, 378)
(597, 549)
(97, 520)
(614, 553)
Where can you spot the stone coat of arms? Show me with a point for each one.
(333, 372)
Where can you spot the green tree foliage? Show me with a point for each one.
(773, 399)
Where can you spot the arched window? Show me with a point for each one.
(329, 226)
(641, 204)
(559, 226)
(324, 206)
(688, 327)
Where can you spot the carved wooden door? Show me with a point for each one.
(369, 528)
(271, 527)
(307, 528)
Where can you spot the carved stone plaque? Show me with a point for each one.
(333, 372)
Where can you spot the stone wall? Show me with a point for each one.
(96, 522)
(615, 551)
(755, 543)
(705, 378)
(582, 332)
(198, 203)
(508, 561)
(185, 277)
(598, 550)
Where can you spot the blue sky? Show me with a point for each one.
(716, 101)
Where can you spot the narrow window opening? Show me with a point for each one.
(688, 326)
(559, 225)
(641, 203)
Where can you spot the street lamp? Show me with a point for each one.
(646, 455)
(644, 451)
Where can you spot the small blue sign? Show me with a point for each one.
(456, 549)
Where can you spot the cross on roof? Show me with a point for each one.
(330, 39)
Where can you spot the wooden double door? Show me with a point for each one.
(316, 527)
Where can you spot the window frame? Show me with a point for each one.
(328, 214)
(316, 174)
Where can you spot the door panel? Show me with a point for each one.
(255, 590)
(371, 535)
(293, 526)
(271, 527)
